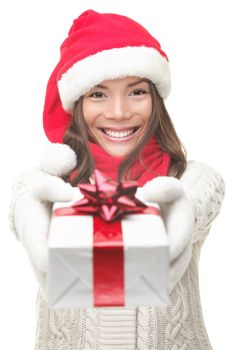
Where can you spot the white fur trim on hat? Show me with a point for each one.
(141, 61)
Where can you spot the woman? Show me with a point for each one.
(104, 108)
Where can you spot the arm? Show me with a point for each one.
(34, 192)
(56, 160)
(206, 189)
(188, 207)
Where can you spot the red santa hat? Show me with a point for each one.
(100, 46)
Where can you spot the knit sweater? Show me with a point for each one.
(177, 327)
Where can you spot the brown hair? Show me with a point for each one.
(160, 125)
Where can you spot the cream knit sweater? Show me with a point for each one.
(179, 327)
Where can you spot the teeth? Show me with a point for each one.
(118, 133)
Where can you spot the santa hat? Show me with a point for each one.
(100, 46)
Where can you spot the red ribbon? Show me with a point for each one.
(107, 200)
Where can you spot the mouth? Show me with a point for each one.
(120, 133)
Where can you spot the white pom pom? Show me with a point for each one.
(162, 189)
(58, 159)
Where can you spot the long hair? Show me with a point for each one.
(159, 125)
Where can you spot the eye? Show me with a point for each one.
(138, 92)
(96, 94)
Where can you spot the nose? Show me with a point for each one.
(118, 109)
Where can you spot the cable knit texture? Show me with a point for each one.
(178, 327)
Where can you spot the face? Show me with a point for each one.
(117, 112)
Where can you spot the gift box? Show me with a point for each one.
(107, 249)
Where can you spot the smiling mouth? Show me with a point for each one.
(119, 133)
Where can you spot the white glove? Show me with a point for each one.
(32, 209)
(177, 210)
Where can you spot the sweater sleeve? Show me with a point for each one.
(17, 190)
(19, 187)
(206, 188)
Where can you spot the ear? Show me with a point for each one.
(57, 159)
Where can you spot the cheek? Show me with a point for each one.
(145, 109)
(89, 113)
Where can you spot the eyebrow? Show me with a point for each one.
(129, 85)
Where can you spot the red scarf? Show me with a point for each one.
(156, 162)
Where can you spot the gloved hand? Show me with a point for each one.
(32, 210)
(178, 213)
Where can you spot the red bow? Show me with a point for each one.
(107, 198)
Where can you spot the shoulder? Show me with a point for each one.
(206, 188)
(204, 183)
(198, 174)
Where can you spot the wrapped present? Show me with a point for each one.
(107, 249)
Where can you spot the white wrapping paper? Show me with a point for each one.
(70, 273)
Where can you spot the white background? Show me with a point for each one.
(197, 37)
